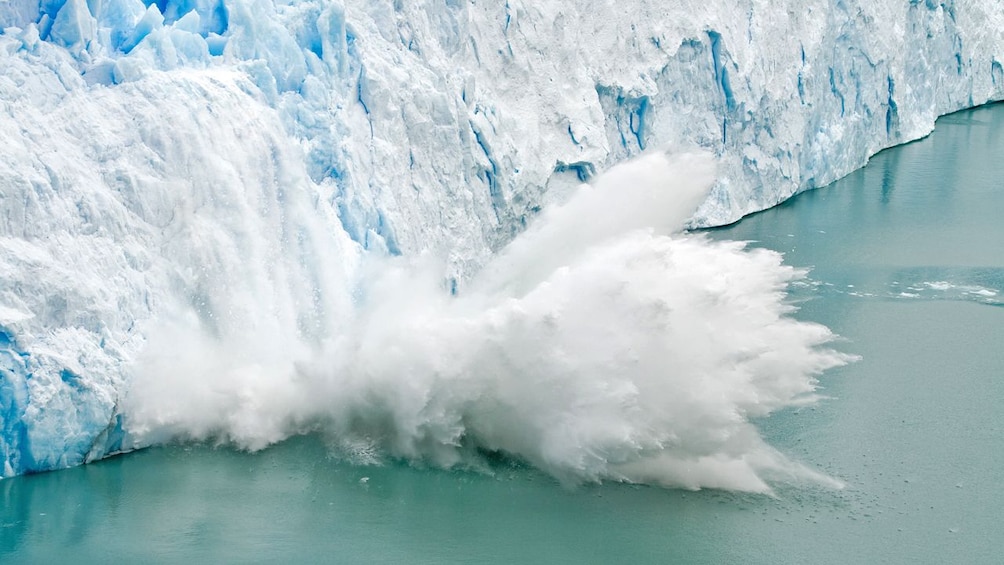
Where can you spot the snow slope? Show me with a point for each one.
(194, 172)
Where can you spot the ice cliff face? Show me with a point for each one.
(211, 166)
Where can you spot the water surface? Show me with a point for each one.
(906, 265)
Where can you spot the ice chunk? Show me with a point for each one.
(190, 22)
(120, 17)
(73, 27)
(151, 20)
(102, 72)
(216, 44)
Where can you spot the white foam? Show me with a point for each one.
(597, 346)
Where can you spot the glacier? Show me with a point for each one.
(199, 195)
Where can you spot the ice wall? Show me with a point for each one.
(169, 205)
(448, 125)
(186, 162)
(790, 95)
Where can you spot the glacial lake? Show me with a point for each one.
(907, 266)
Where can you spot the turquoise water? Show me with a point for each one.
(906, 265)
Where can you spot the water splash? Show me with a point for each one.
(602, 344)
